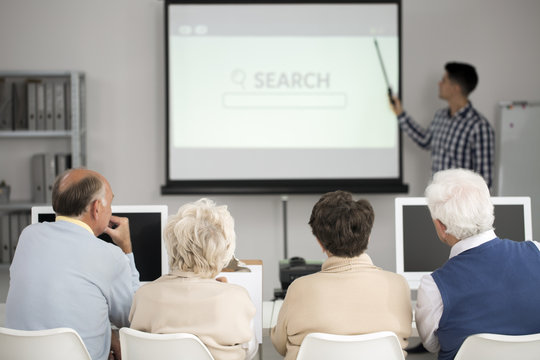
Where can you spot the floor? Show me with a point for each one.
(269, 353)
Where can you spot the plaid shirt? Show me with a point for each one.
(465, 140)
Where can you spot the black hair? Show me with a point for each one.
(464, 75)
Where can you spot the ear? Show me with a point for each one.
(440, 226)
(457, 88)
(446, 238)
(94, 209)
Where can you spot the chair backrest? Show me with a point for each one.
(50, 344)
(379, 345)
(139, 345)
(495, 347)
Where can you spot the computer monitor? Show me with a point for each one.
(146, 225)
(418, 249)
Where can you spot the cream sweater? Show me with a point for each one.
(220, 314)
(348, 296)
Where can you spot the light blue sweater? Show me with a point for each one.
(63, 276)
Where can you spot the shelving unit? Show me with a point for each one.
(18, 145)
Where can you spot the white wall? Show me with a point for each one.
(119, 45)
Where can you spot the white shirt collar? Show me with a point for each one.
(472, 242)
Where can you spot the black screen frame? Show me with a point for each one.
(279, 186)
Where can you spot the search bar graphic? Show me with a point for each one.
(241, 100)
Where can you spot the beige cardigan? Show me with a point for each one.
(218, 313)
(348, 296)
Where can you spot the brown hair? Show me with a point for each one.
(341, 224)
(74, 199)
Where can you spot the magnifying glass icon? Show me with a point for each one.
(238, 76)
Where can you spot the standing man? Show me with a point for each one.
(488, 285)
(459, 136)
(62, 275)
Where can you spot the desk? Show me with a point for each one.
(271, 312)
(270, 315)
(252, 282)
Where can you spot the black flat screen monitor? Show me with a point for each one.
(418, 249)
(146, 224)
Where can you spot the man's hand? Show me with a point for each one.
(118, 230)
(222, 279)
(396, 106)
(115, 353)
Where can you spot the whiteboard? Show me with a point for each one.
(517, 157)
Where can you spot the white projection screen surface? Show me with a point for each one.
(282, 97)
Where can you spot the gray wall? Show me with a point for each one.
(119, 45)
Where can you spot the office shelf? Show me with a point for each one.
(23, 135)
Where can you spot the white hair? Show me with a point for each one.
(460, 199)
(200, 238)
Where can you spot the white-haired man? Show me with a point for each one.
(486, 286)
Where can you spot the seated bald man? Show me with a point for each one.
(62, 275)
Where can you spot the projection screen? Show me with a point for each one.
(282, 97)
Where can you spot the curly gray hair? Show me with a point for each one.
(200, 238)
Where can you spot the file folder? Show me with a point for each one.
(20, 119)
(49, 175)
(4, 239)
(59, 106)
(38, 178)
(6, 105)
(63, 162)
(43, 176)
(31, 105)
(49, 102)
(40, 106)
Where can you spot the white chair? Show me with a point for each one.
(499, 347)
(139, 345)
(380, 345)
(50, 344)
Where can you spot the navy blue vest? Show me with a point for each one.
(492, 288)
